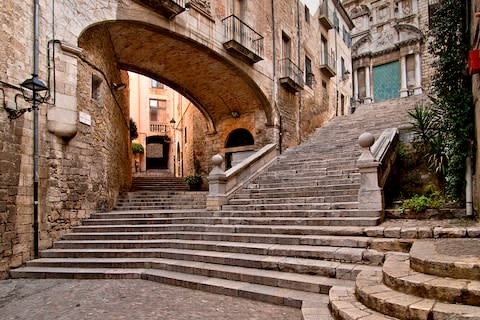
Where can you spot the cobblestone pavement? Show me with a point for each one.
(61, 299)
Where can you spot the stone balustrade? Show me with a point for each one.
(223, 183)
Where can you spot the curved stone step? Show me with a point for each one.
(345, 306)
(372, 292)
(457, 258)
(398, 275)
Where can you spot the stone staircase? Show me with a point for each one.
(425, 285)
(287, 238)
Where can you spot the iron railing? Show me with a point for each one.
(236, 30)
(290, 70)
(329, 61)
(325, 17)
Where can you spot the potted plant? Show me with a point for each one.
(194, 181)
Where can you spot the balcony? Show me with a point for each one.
(158, 127)
(328, 65)
(167, 8)
(324, 16)
(291, 77)
(242, 41)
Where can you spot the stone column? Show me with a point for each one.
(355, 84)
(370, 195)
(418, 75)
(368, 93)
(403, 77)
(217, 181)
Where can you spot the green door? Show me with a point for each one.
(386, 81)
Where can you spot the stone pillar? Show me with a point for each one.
(418, 75)
(217, 181)
(355, 84)
(368, 96)
(403, 77)
(370, 195)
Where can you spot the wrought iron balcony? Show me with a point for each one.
(167, 8)
(324, 16)
(291, 76)
(328, 65)
(158, 127)
(241, 40)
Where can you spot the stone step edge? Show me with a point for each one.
(279, 296)
(375, 231)
(344, 306)
(281, 279)
(425, 258)
(398, 275)
(354, 255)
(330, 269)
(372, 292)
(337, 241)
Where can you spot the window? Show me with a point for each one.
(286, 46)
(344, 69)
(336, 22)
(323, 51)
(309, 76)
(433, 6)
(156, 106)
(307, 15)
(156, 84)
(96, 87)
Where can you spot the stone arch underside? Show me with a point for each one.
(211, 82)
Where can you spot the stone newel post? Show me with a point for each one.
(370, 195)
(216, 185)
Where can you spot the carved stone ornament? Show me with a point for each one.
(202, 5)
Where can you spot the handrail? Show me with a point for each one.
(288, 69)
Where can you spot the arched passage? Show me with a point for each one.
(239, 145)
(211, 82)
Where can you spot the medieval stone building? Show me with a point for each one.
(389, 51)
(274, 70)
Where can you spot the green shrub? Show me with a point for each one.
(193, 179)
(137, 148)
(420, 203)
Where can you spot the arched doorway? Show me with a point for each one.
(157, 152)
(239, 145)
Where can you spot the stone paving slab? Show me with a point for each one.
(27, 299)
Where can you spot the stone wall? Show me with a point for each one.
(475, 42)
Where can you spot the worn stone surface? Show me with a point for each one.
(125, 299)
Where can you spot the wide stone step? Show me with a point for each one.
(297, 213)
(158, 207)
(306, 183)
(352, 197)
(280, 296)
(335, 241)
(294, 206)
(315, 221)
(345, 306)
(331, 269)
(345, 254)
(302, 282)
(265, 229)
(373, 293)
(398, 276)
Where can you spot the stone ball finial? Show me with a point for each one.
(217, 160)
(366, 140)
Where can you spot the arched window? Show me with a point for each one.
(238, 138)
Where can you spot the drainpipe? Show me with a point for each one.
(300, 96)
(275, 89)
(35, 104)
(468, 188)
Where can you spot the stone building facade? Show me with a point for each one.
(389, 51)
(248, 65)
(475, 45)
